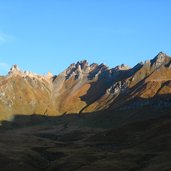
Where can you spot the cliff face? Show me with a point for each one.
(87, 88)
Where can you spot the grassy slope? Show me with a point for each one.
(73, 143)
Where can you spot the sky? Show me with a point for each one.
(49, 35)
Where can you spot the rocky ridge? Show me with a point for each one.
(86, 88)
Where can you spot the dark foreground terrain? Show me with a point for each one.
(86, 143)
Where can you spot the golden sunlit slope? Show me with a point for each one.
(85, 88)
(25, 95)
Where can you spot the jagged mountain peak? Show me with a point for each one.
(122, 67)
(161, 54)
(78, 65)
(82, 64)
(102, 65)
(160, 59)
(14, 69)
(83, 84)
(81, 68)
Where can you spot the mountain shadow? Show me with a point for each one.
(108, 140)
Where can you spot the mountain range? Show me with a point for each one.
(84, 88)
(87, 118)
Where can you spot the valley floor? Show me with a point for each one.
(36, 143)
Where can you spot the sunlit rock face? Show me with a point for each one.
(84, 87)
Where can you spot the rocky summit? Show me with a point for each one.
(84, 88)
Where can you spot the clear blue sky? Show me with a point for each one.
(48, 35)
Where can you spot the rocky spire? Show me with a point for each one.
(14, 70)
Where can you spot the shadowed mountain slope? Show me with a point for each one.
(91, 142)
